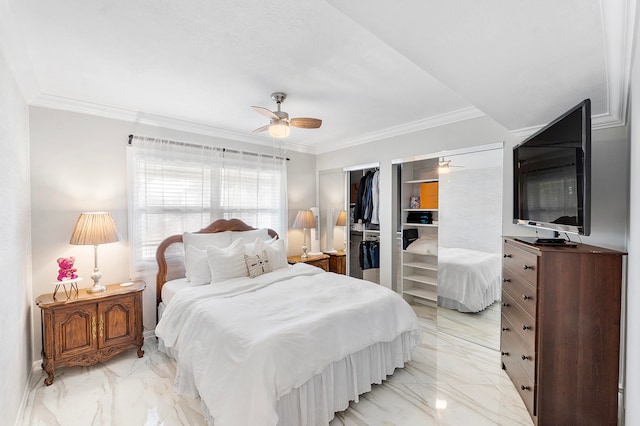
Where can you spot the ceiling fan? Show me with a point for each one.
(443, 165)
(279, 125)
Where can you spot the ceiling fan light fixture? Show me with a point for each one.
(279, 128)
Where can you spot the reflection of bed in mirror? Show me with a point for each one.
(468, 280)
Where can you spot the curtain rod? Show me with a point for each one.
(194, 145)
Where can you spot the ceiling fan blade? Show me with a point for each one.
(261, 129)
(305, 122)
(265, 112)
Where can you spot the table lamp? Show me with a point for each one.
(342, 221)
(304, 219)
(95, 228)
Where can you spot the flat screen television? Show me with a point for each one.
(552, 175)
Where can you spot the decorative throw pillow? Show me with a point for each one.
(276, 252)
(258, 264)
(227, 263)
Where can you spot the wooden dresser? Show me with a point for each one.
(560, 339)
(87, 328)
(321, 260)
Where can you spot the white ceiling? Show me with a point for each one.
(368, 69)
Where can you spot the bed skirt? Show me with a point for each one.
(316, 401)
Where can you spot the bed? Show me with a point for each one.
(468, 280)
(290, 346)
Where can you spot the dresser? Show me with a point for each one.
(86, 328)
(321, 260)
(560, 339)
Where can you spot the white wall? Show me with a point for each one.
(78, 164)
(16, 302)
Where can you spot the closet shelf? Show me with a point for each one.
(424, 279)
(422, 293)
(426, 225)
(422, 265)
(419, 210)
(421, 181)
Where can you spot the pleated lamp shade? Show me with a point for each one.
(304, 219)
(342, 218)
(94, 229)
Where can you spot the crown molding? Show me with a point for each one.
(104, 111)
(403, 129)
(618, 27)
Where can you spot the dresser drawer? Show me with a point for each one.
(522, 263)
(513, 347)
(522, 323)
(524, 385)
(521, 292)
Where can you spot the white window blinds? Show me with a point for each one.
(176, 187)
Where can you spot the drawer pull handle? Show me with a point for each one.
(525, 297)
(505, 353)
(505, 328)
(505, 304)
(506, 255)
(524, 357)
(523, 387)
(527, 267)
(506, 280)
(526, 327)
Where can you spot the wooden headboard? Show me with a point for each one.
(173, 270)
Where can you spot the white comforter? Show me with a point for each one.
(469, 277)
(244, 343)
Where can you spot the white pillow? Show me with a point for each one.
(227, 263)
(196, 264)
(201, 241)
(424, 245)
(250, 236)
(276, 252)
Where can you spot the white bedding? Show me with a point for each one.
(468, 280)
(248, 342)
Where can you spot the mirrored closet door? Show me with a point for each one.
(469, 260)
(449, 226)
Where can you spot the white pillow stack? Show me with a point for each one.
(212, 258)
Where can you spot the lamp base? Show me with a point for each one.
(96, 288)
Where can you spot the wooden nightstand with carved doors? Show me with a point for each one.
(87, 328)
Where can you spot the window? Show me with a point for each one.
(176, 187)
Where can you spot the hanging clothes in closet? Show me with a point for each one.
(369, 254)
(366, 205)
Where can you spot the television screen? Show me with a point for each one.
(552, 173)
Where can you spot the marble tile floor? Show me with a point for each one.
(448, 382)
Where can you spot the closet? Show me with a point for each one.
(419, 225)
(363, 226)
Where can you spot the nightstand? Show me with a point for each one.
(87, 328)
(321, 261)
(338, 262)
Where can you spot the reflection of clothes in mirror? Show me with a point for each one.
(369, 254)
